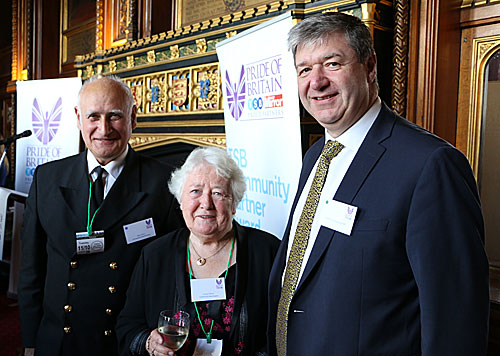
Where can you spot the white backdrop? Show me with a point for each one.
(261, 113)
(46, 107)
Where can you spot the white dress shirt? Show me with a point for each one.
(351, 139)
(112, 169)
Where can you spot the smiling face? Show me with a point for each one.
(333, 86)
(207, 204)
(105, 119)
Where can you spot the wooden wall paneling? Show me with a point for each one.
(447, 68)
(154, 17)
(413, 44)
(434, 65)
(77, 32)
(427, 54)
(464, 99)
(46, 20)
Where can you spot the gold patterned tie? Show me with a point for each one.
(293, 266)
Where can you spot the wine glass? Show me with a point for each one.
(173, 326)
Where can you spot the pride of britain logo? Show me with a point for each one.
(45, 124)
(236, 94)
(258, 90)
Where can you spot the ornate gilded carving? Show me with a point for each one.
(123, 19)
(400, 61)
(178, 84)
(231, 34)
(90, 71)
(206, 90)
(145, 141)
(483, 48)
(174, 52)
(151, 56)
(155, 94)
(112, 66)
(130, 62)
(201, 45)
(188, 90)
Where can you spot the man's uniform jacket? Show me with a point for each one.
(69, 303)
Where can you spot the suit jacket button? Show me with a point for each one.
(67, 329)
(112, 289)
(68, 308)
(71, 286)
(107, 332)
(109, 311)
(113, 265)
(73, 264)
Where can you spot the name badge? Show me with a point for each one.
(139, 230)
(207, 289)
(203, 348)
(87, 244)
(339, 216)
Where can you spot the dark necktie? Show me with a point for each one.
(299, 244)
(98, 189)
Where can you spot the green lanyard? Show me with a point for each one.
(209, 334)
(89, 221)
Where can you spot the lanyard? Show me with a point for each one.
(89, 221)
(209, 334)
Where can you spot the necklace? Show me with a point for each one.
(202, 260)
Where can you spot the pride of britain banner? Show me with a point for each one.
(46, 107)
(261, 115)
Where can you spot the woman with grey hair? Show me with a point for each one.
(209, 187)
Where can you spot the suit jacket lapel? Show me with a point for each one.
(75, 192)
(365, 160)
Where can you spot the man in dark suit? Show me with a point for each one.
(84, 230)
(383, 252)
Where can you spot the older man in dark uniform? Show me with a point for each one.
(87, 218)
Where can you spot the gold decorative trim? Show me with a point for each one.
(90, 58)
(181, 123)
(99, 36)
(14, 73)
(400, 61)
(146, 141)
(482, 49)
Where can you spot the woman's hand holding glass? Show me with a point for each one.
(172, 332)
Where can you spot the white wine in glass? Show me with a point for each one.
(173, 326)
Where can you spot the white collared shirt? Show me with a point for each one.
(352, 140)
(113, 169)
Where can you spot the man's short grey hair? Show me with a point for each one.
(224, 165)
(117, 80)
(315, 30)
